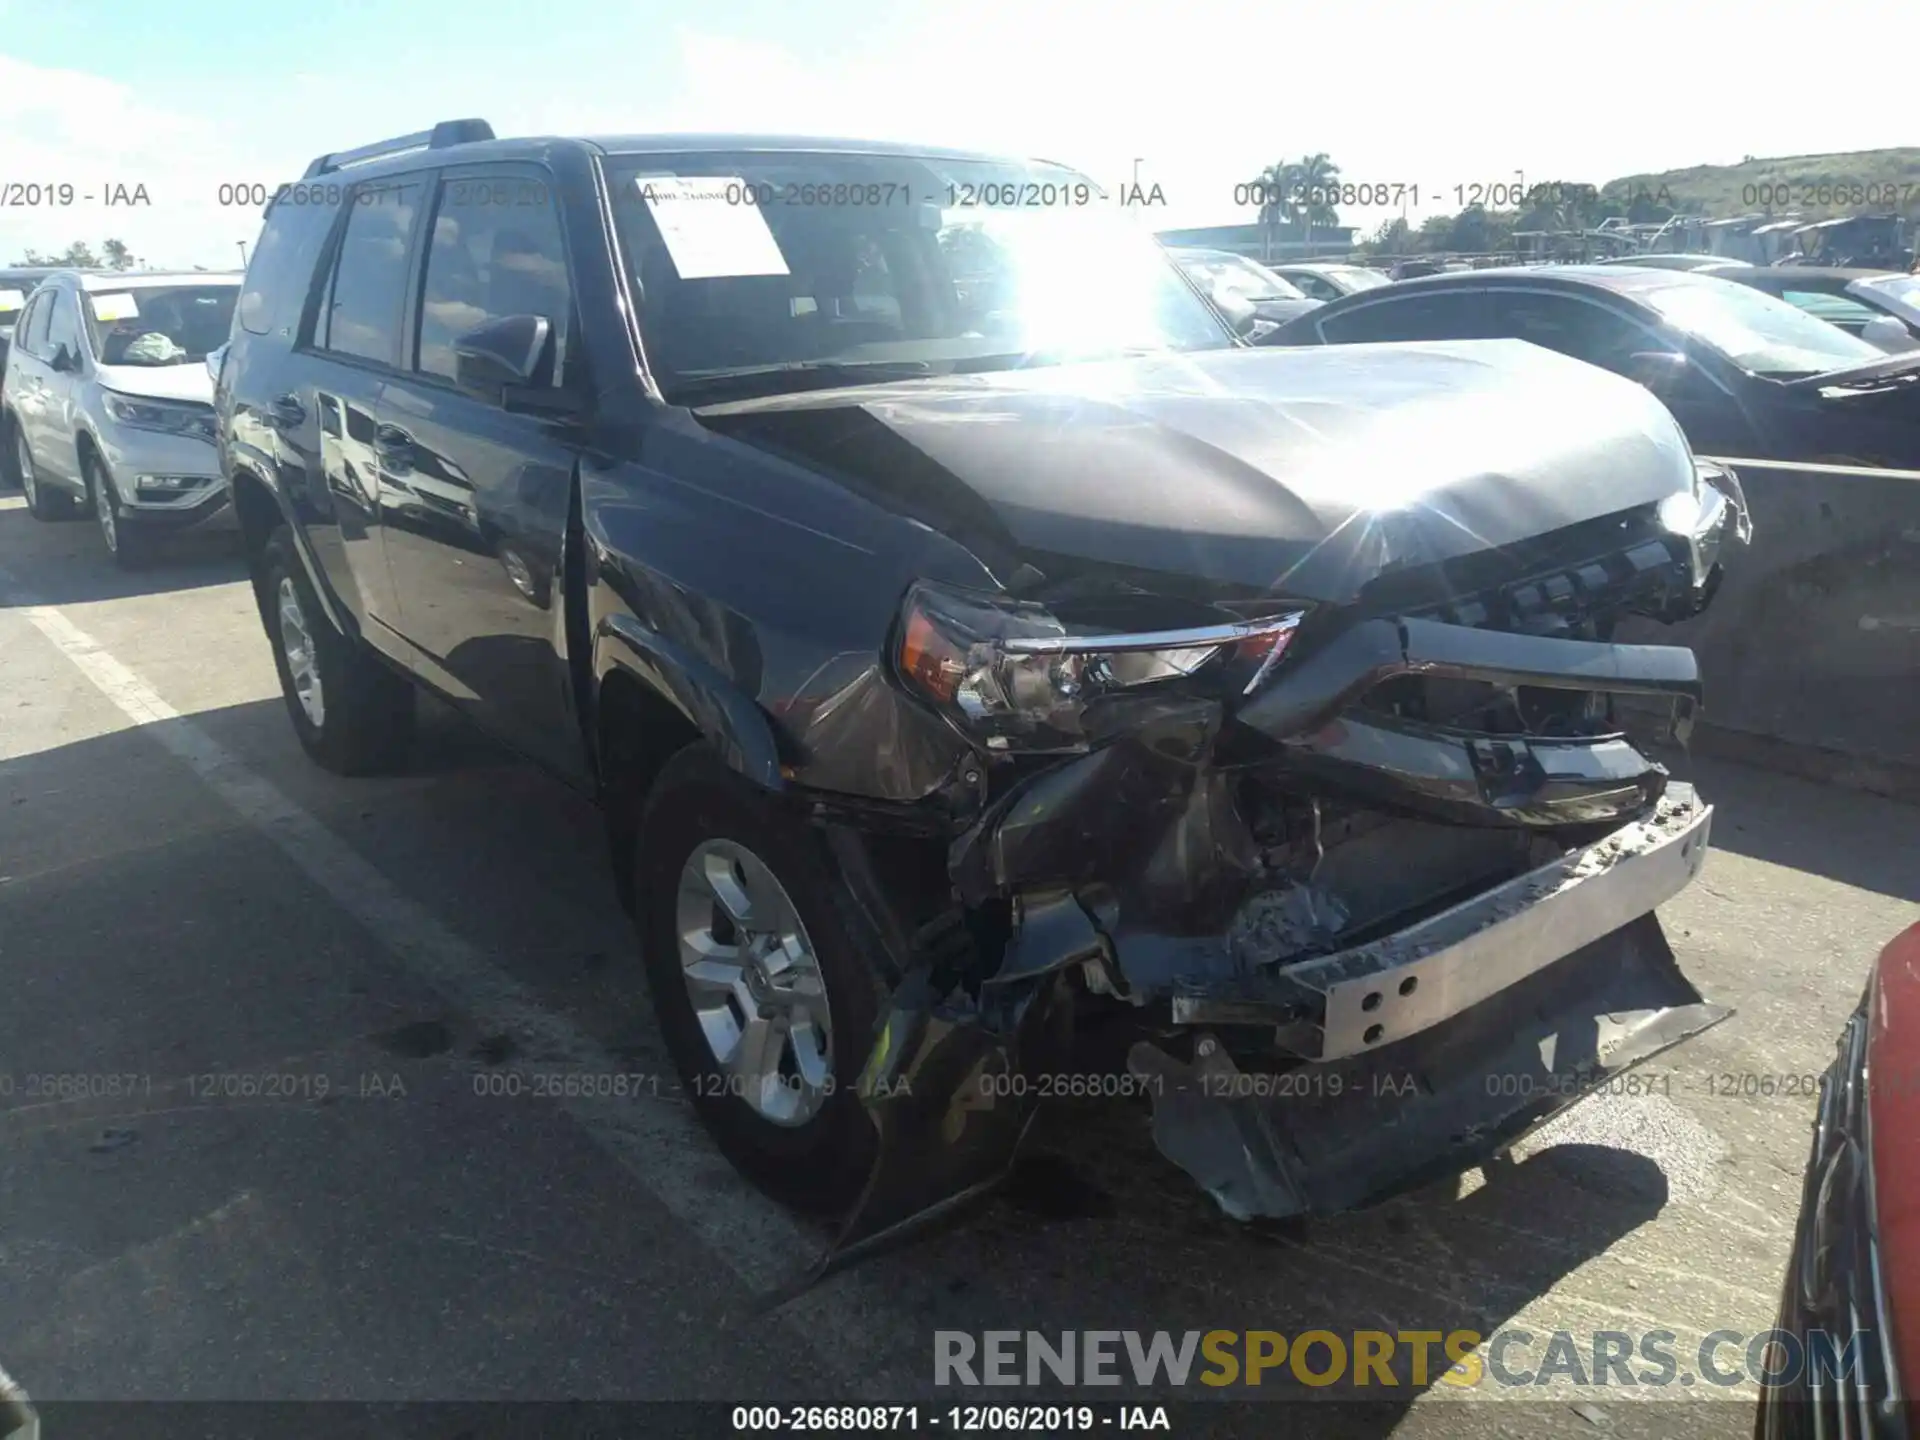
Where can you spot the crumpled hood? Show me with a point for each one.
(186, 381)
(1306, 471)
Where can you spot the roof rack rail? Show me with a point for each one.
(447, 132)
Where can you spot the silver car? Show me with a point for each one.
(108, 402)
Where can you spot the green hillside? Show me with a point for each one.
(1815, 185)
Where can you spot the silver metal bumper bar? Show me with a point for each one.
(1382, 992)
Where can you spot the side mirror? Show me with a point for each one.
(1661, 371)
(215, 358)
(501, 354)
(1890, 334)
(64, 361)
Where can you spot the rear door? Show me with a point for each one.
(27, 372)
(354, 348)
(58, 452)
(477, 552)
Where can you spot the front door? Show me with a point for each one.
(477, 551)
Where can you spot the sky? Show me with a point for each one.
(110, 95)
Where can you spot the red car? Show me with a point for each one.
(1850, 1307)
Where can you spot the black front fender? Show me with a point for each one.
(725, 716)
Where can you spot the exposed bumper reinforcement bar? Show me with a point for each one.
(1374, 995)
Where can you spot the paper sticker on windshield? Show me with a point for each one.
(109, 308)
(12, 300)
(711, 226)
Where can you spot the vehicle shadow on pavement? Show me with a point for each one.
(1861, 840)
(65, 563)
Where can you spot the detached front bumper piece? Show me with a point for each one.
(1361, 1130)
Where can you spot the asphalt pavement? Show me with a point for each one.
(269, 1042)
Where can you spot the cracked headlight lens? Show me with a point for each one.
(1010, 675)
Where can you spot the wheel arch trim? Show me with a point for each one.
(726, 717)
(246, 472)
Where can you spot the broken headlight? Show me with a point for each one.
(1012, 676)
(1703, 515)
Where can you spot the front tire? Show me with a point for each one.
(352, 714)
(128, 546)
(767, 1004)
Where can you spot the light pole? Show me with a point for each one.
(243, 253)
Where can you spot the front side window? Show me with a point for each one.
(62, 327)
(35, 328)
(362, 313)
(1760, 333)
(753, 269)
(1457, 316)
(1574, 327)
(158, 325)
(497, 250)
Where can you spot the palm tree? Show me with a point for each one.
(1279, 189)
(1319, 180)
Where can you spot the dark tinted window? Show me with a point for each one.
(63, 324)
(1453, 316)
(1585, 331)
(280, 269)
(497, 250)
(370, 274)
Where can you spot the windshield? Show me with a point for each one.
(13, 299)
(1244, 277)
(1359, 278)
(1758, 332)
(152, 325)
(757, 267)
(1902, 293)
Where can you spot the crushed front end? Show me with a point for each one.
(1373, 882)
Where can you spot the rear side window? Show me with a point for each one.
(497, 250)
(280, 270)
(1458, 316)
(362, 313)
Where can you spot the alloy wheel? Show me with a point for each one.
(28, 486)
(104, 512)
(296, 643)
(755, 983)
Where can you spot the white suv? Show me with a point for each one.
(108, 403)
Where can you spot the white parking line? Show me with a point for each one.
(659, 1142)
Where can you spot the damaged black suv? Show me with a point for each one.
(967, 637)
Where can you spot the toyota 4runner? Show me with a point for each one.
(968, 637)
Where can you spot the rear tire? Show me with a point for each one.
(43, 501)
(817, 1157)
(353, 715)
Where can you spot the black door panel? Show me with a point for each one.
(481, 495)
